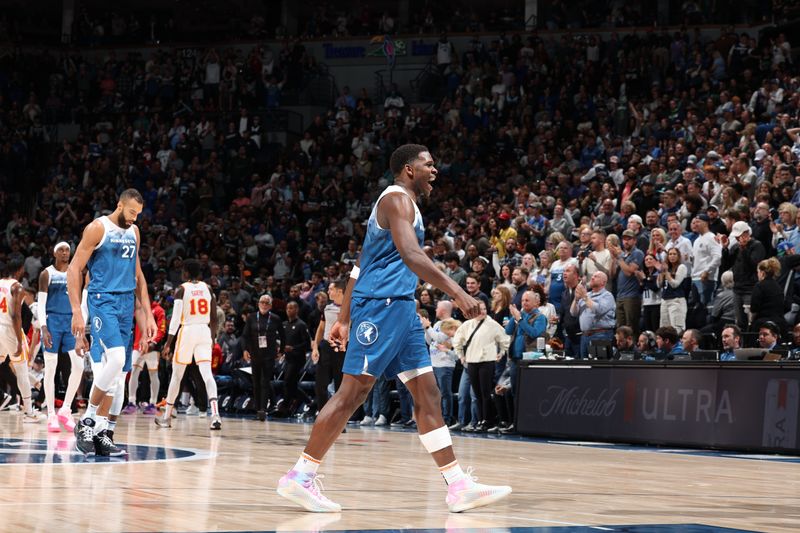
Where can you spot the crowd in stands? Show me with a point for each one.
(647, 183)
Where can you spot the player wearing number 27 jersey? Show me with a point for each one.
(109, 248)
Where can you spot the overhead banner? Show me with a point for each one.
(717, 407)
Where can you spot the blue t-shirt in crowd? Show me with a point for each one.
(628, 286)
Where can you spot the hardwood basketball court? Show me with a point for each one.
(191, 479)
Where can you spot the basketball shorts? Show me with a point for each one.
(386, 337)
(97, 352)
(8, 346)
(60, 328)
(150, 359)
(194, 341)
(111, 320)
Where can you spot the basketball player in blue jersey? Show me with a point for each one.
(387, 338)
(110, 249)
(55, 318)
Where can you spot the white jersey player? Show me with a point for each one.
(13, 343)
(195, 313)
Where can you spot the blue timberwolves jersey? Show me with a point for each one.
(112, 267)
(57, 298)
(383, 273)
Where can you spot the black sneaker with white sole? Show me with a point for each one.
(84, 435)
(105, 447)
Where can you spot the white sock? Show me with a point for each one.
(101, 424)
(212, 404)
(155, 384)
(133, 384)
(307, 464)
(74, 381)
(50, 363)
(91, 411)
(452, 473)
(211, 386)
(112, 425)
(28, 403)
(24, 385)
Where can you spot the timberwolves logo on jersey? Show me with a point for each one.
(367, 333)
(98, 323)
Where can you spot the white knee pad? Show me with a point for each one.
(408, 375)
(436, 440)
(119, 395)
(97, 368)
(115, 360)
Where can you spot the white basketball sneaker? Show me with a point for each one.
(467, 494)
(306, 491)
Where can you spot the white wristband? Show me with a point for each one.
(355, 272)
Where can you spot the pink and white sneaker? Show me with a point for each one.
(52, 424)
(65, 417)
(466, 494)
(306, 491)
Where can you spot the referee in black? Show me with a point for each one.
(329, 361)
(263, 337)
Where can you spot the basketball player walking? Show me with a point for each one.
(387, 338)
(13, 343)
(55, 317)
(195, 313)
(110, 249)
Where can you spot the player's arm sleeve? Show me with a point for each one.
(177, 313)
(85, 306)
(41, 308)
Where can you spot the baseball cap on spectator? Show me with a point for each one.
(481, 259)
(692, 159)
(760, 154)
(739, 228)
(629, 233)
(504, 216)
(635, 218)
(613, 159)
(649, 181)
(712, 155)
(712, 207)
(703, 217)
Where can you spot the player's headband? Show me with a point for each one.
(59, 245)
